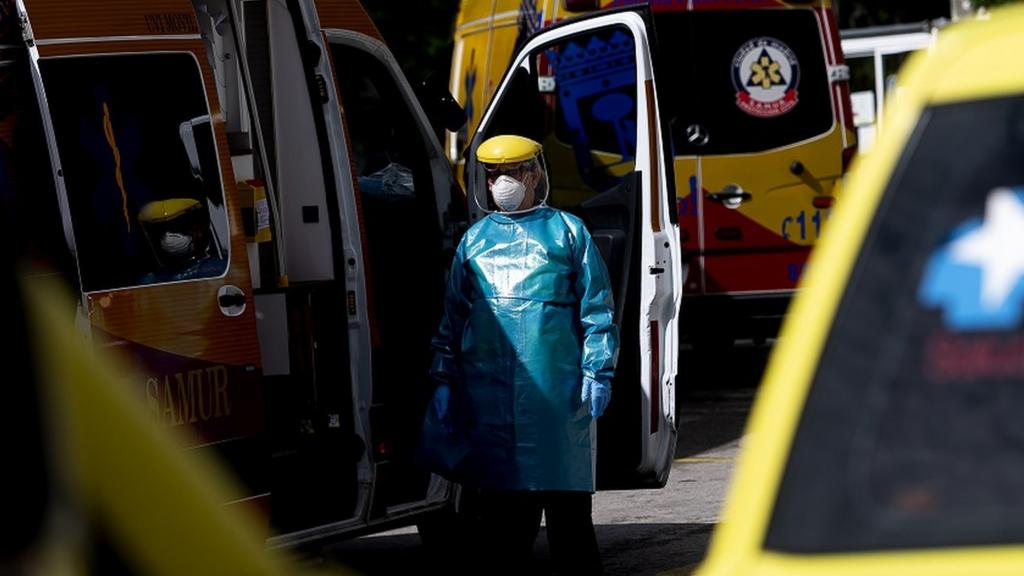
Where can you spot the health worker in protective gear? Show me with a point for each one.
(178, 231)
(524, 358)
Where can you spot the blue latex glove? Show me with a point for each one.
(440, 407)
(597, 394)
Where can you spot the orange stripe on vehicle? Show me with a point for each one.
(55, 19)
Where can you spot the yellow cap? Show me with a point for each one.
(507, 148)
(163, 210)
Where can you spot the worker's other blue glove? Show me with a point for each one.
(597, 394)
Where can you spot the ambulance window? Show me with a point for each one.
(863, 98)
(140, 168)
(753, 79)
(912, 435)
(578, 98)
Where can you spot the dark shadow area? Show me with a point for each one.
(396, 200)
(641, 549)
(706, 372)
(627, 549)
(708, 424)
(714, 392)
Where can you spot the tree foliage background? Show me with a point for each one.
(864, 13)
(419, 33)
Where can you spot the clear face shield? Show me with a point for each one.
(511, 187)
(178, 240)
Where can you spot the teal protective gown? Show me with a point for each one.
(528, 313)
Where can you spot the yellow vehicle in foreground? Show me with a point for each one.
(888, 437)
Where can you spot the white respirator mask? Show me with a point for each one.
(508, 193)
(176, 244)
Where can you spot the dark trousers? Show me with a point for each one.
(510, 522)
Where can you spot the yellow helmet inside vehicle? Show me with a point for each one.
(177, 230)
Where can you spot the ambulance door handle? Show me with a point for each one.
(724, 196)
(732, 196)
(231, 300)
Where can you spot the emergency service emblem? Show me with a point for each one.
(766, 74)
(977, 278)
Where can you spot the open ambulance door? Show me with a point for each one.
(149, 211)
(585, 90)
(393, 190)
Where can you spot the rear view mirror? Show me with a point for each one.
(444, 112)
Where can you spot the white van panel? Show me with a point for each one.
(299, 168)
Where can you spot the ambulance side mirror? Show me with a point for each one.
(444, 112)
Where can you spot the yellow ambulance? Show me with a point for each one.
(888, 438)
